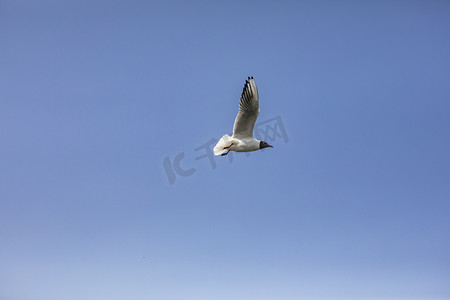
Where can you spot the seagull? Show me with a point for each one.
(242, 139)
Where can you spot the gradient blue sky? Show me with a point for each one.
(94, 95)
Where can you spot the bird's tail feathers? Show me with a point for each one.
(222, 145)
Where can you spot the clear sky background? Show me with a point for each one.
(95, 95)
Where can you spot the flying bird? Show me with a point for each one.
(242, 139)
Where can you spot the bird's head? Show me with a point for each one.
(263, 145)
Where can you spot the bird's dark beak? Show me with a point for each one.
(270, 146)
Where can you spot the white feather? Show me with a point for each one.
(222, 144)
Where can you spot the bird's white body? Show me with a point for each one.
(244, 145)
(242, 139)
(234, 144)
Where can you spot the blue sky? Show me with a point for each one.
(96, 95)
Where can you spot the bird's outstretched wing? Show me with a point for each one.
(248, 111)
